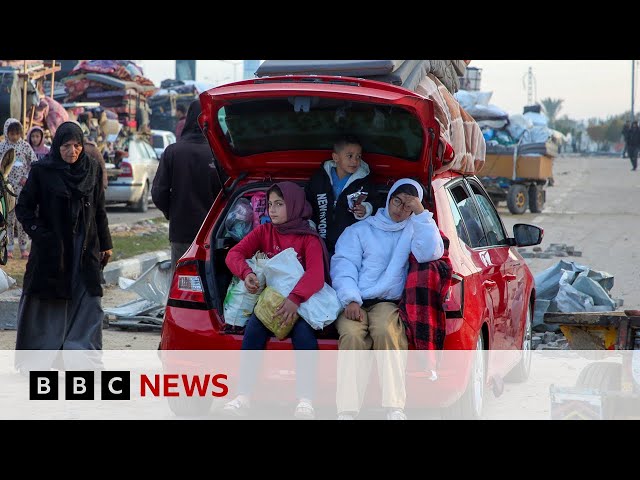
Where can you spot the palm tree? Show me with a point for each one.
(551, 107)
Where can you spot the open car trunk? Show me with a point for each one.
(218, 275)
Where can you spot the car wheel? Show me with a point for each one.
(517, 199)
(469, 405)
(190, 406)
(521, 371)
(142, 205)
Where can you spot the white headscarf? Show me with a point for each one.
(382, 220)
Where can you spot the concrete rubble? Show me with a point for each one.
(552, 250)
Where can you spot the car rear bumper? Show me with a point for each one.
(123, 193)
(191, 329)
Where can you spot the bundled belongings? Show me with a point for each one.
(436, 80)
(117, 84)
(405, 73)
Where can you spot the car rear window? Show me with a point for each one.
(312, 123)
(158, 141)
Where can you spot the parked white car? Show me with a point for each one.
(161, 139)
(131, 174)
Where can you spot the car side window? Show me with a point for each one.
(494, 231)
(457, 219)
(475, 236)
(148, 150)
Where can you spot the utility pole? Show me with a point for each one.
(633, 86)
(529, 81)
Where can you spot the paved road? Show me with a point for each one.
(594, 206)
(121, 214)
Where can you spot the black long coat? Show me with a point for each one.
(44, 210)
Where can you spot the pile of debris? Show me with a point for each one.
(553, 250)
(142, 228)
(549, 341)
(570, 287)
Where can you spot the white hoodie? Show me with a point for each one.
(371, 258)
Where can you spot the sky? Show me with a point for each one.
(589, 88)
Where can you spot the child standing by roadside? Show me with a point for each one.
(13, 134)
(329, 187)
(289, 228)
(35, 137)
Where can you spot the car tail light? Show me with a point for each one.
(125, 169)
(187, 286)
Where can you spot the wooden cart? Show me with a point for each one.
(518, 179)
(604, 389)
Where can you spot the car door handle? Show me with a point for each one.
(510, 277)
(489, 284)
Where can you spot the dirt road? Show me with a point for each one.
(594, 206)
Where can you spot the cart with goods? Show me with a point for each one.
(519, 176)
(608, 389)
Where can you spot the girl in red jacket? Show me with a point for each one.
(289, 212)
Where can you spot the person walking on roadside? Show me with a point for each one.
(24, 158)
(62, 209)
(182, 118)
(633, 144)
(186, 184)
(625, 132)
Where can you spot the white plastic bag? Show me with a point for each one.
(283, 272)
(239, 303)
(322, 308)
(6, 282)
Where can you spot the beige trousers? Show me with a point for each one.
(380, 334)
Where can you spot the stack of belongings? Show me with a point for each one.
(171, 94)
(118, 85)
(529, 133)
(41, 110)
(11, 95)
(436, 80)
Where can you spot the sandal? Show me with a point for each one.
(9, 254)
(236, 408)
(24, 255)
(304, 411)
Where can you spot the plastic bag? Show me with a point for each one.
(239, 221)
(239, 303)
(268, 302)
(283, 272)
(322, 308)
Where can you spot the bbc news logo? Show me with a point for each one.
(116, 385)
(79, 385)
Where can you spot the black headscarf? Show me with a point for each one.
(80, 176)
(192, 131)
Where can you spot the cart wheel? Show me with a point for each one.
(601, 376)
(536, 198)
(517, 198)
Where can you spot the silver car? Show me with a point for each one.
(131, 173)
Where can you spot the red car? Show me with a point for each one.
(281, 128)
